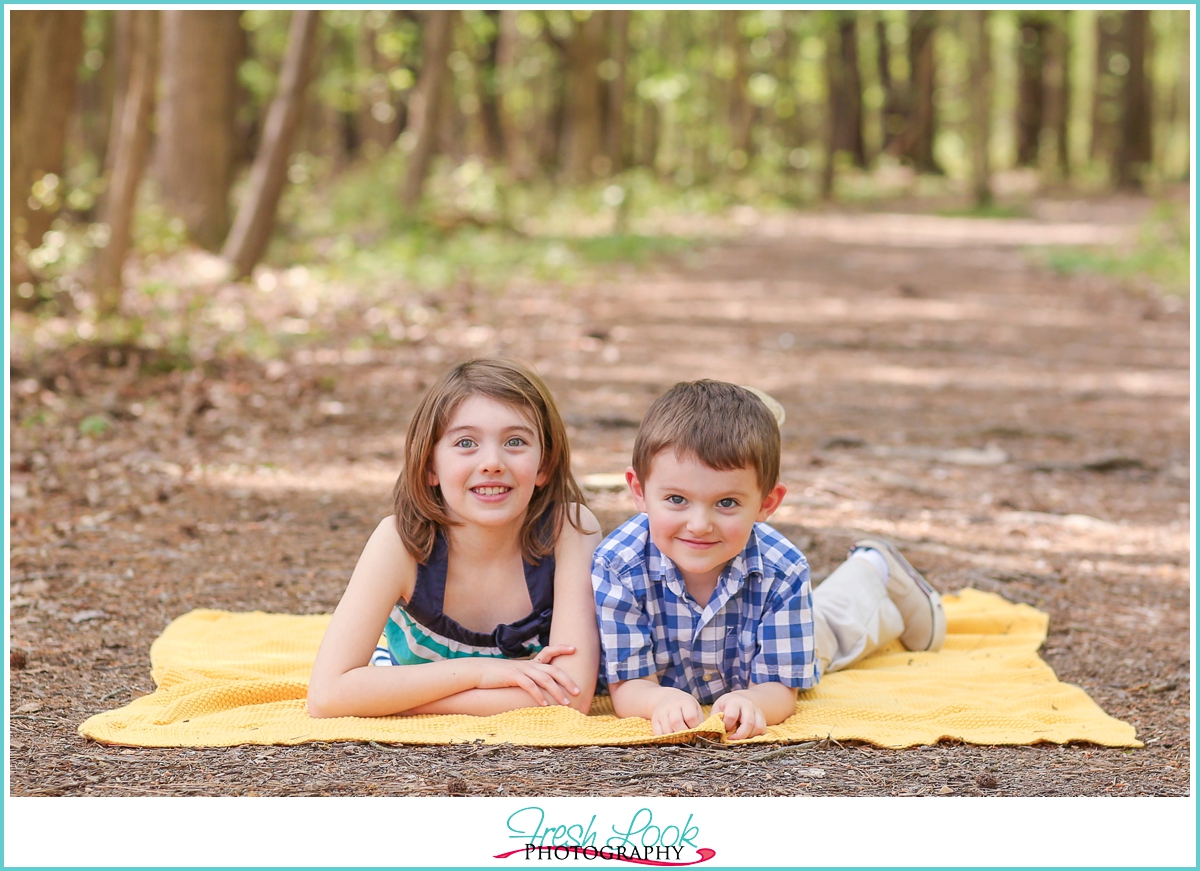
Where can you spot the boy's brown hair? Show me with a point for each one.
(419, 509)
(724, 426)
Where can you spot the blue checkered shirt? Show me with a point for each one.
(758, 626)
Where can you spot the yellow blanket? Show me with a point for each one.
(226, 679)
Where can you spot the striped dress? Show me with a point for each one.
(418, 631)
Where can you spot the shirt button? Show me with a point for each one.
(707, 676)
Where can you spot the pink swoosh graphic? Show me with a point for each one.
(704, 852)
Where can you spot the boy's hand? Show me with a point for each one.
(740, 710)
(675, 712)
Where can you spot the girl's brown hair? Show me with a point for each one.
(420, 511)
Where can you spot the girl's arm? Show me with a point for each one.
(343, 685)
(573, 625)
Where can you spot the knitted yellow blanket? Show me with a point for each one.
(226, 678)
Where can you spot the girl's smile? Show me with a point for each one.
(487, 463)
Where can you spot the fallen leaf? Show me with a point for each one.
(945, 790)
(81, 616)
(29, 708)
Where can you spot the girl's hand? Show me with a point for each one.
(545, 683)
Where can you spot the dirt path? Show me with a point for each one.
(1015, 431)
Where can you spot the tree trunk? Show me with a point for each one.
(130, 141)
(487, 89)
(1135, 148)
(1062, 53)
(892, 113)
(922, 120)
(97, 92)
(1031, 87)
(378, 119)
(45, 50)
(196, 137)
(846, 104)
(741, 110)
(516, 135)
(252, 230)
(426, 103)
(614, 139)
(1106, 106)
(978, 43)
(583, 143)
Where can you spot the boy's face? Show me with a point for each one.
(701, 517)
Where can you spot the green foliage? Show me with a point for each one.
(95, 425)
(1161, 260)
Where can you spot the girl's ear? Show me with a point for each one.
(431, 478)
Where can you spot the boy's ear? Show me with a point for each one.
(771, 502)
(635, 488)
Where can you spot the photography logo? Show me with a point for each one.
(640, 841)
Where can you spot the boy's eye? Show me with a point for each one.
(465, 443)
(727, 503)
(676, 499)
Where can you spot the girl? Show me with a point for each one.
(481, 581)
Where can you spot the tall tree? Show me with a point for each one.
(1058, 90)
(508, 81)
(45, 50)
(740, 108)
(426, 104)
(252, 229)
(1032, 40)
(921, 125)
(892, 115)
(583, 141)
(978, 42)
(845, 101)
(196, 137)
(614, 142)
(1111, 67)
(1134, 147)
(129, 142)
(487, 88)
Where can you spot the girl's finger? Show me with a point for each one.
(524, 682)
(549, 685)
(563, 679)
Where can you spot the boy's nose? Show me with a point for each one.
(699, 521)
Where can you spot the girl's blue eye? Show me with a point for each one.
(727, 503)
(515, 442)
(465, 443)
(676, 499)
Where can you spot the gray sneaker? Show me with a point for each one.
(918, 603)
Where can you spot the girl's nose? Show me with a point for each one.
(491, 460)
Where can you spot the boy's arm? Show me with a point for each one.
(668, 709)
(627, 639)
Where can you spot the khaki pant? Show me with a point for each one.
(852, 615)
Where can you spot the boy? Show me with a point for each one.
(699, 601)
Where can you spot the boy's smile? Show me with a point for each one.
(701, 517)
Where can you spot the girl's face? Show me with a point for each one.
(487, 463)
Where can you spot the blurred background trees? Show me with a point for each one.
(143, 125)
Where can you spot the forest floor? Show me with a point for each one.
(1013, 429)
